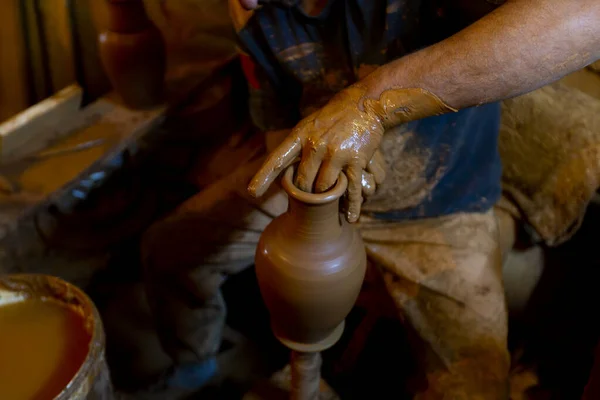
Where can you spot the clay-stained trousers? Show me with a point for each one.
(444, 275)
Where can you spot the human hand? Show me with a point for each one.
(372, 176)
(344, 136)
(339, 137)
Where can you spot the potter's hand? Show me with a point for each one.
(371, 177)
(343, 136)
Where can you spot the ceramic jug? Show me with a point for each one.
(133, 54)
(310, 265)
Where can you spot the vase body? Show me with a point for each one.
(133, 54)
(310, 265)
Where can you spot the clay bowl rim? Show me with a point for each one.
(332, 194)
(39, 285)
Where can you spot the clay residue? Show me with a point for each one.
(31, 304)
(567, 65)
(406, 184)
(550, 147)
(397, 106)
(43, 346)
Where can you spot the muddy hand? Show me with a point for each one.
(373, 175)
(343, 136)
(339, 137)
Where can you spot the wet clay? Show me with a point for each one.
(407, 183)
(133, 54)
(51, 341)
(310, 265)
(396, 106)
(550, 146)
(343, 136)
(42, 346)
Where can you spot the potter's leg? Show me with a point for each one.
(444, 276)
(189, 254)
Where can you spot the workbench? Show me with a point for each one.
(52, 156)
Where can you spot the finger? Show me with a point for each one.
(368, 184)
(312, 156)
(278, 160)
(377, 167)
(354, 174)
(328, 175)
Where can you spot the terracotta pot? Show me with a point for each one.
(133, 54)
(310, 265)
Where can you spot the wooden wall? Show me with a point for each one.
(13, 82)
(45, 46)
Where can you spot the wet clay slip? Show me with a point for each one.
(51, 341)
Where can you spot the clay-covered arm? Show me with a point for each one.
(519, 47)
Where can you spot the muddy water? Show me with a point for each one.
(42, 346)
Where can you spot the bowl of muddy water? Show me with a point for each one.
(51, 341)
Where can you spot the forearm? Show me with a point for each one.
(519, 47)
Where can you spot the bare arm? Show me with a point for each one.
(519, 47)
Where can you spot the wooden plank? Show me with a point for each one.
(106, 121)
(60, 181)
(38, 123)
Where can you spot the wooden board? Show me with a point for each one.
(59, 180)
(38, 123)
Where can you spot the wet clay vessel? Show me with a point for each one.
(310, 265)
(133, 54)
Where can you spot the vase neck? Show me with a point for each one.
(314, 222)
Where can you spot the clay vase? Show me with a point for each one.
(310, 265)
(133, 54)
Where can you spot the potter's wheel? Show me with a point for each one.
(278, 388)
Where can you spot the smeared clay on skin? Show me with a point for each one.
(374, 174)
(343, 136)
(396, 106)
(407, 183)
